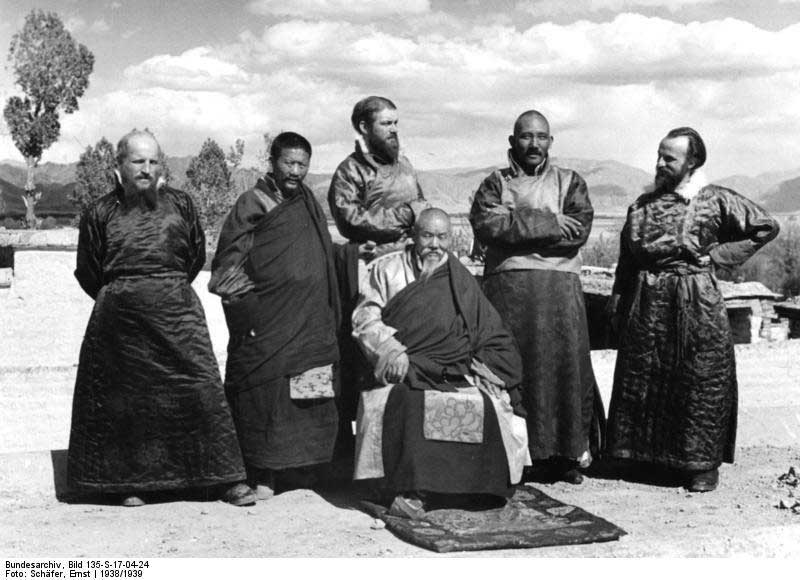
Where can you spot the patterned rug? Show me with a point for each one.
(530, 519)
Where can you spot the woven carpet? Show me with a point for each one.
(530, 519)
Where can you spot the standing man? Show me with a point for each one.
(533, 218)
(374, 195)
(374, 198)
(440, 420)
(149, 413)
(675, 394)
(274, 271)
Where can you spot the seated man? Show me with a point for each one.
(441, 421)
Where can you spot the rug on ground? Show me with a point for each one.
(530, 519)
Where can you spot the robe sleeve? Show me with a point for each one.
(374, 336)
(358, 223)
(576, 205)
(495, 222)
(625, 273)
(496, 347)
(197, 240)
(229, 278)
(89, 266)
(745, 228)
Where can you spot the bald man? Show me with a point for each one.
(440, 418)
(149, 413)
(533, 217)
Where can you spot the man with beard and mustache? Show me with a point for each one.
(274, 271)
(533, 217)
(374, 198)
(149, 413)
(674, 401)
(440, 421)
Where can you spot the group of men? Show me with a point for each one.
(459, 389)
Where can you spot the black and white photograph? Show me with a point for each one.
(399, 281)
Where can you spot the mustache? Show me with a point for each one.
(533, 151)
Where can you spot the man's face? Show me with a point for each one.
(290, 169)
(141, 169)
(531, 141)
(432, 238)
(673, 164)
(381, 134)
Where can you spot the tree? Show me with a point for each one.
(94, 174)
(52, 70)
(209, 181)
(263, 154)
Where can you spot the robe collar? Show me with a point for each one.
(516, 168)
(370, 158)
(689, 189)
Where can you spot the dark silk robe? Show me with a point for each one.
(149, 411)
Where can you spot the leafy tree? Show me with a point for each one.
(52, 70)
(263, 154)
(209, 181)
(94, 174)
(235, 155)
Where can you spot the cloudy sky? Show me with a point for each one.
(612, 75)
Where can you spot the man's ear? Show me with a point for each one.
(363, 127)
(511, 141)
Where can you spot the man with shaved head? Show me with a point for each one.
(673, 406)
(532, 218)
(439, 420)
(149, 412)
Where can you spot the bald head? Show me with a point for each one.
(123, 147)
(525, 119)
(531, 141)
(140, 165)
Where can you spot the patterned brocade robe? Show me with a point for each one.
(674, 400)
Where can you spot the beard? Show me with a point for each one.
(666, 182)
(430, 262)
(387, 149)
(144, 197)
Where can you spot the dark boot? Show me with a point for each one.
(701, 481)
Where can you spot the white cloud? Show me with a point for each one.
(100, 27)
(339, 8)
(195, 69)
(554, 7)
(611, 89)
(75, 24)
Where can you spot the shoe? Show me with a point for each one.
(239, 495)
(409, 507)
(264, 492)
(703, 480)
(572, 476)
(132, 501)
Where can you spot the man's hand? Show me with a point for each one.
(366, 250)
(492, 389)
(397, 370)
(570, 227)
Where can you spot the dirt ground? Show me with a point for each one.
(41, 332)
(739, 519)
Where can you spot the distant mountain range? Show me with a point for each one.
(612, 186)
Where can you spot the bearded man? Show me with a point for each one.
(533, 217)
(374, 198)
(274, 271)
(674, 400)
(440, 422)
(149, 413)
